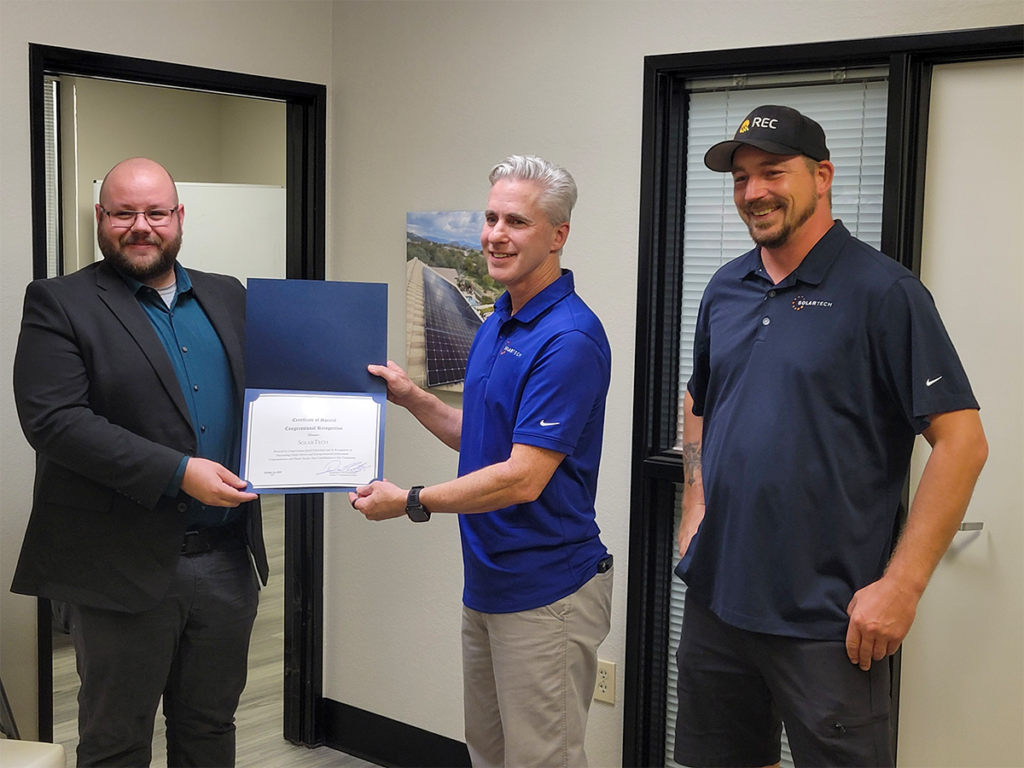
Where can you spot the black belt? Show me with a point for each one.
(220, 537)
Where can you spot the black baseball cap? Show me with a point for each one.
(775, 129)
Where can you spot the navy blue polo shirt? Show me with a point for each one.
(539, 378)
(811, 392)
(204, 374)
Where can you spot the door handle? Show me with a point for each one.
(971, 526)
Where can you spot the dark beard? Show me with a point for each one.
(113, 251)
(782, 237)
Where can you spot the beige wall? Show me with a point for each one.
(197, 136)
(252, 142)
(290, 40)
(429, 95)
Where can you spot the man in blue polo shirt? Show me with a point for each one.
(817, 360)
(538, 580)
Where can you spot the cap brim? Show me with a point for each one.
(719, 157)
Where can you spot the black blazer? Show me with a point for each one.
(99, 402)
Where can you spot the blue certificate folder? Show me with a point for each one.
(317, 337)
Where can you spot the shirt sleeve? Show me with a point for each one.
(919, 361)
(567, 385)
(698, 384)
(174, 486)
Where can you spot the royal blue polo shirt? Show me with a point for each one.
(811, 392)
(204, 374)
(538, 378)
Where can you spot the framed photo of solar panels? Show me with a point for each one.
(448, 295)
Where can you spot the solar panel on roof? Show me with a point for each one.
(450, 324)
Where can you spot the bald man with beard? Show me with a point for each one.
(128, 381)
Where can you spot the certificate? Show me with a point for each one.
(311, 441)
(313, 416)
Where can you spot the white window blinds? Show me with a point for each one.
(51, 151)
(852, 114)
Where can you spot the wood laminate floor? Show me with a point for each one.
(260, 713)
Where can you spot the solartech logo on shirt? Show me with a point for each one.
(800, 303)
(507, 349)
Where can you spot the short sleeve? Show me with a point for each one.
(568, 382)
(699, 376)
(918, 360)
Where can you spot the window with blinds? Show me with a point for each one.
(51, 155)
(853, 115)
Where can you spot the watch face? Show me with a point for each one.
(417, 513)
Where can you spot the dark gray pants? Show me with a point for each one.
(736, 688)
(192, 649)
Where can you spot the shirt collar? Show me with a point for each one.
(816, 263)
(182, 282)
(540, 303)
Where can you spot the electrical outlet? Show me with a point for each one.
(605, 688)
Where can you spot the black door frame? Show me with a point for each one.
(655, 466)
(306, 171)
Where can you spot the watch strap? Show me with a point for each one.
(413, 508)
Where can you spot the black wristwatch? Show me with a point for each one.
(416, 511)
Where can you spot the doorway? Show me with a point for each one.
(305, 182)
(228, 156)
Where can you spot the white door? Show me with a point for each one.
(962, 692)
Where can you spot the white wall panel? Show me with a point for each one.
(962, 691)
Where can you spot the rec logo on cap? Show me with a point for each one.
(775, 129)
(759, 122)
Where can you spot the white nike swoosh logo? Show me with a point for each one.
(549, 423)
(931, 381)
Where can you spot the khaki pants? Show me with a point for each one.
(529, 677)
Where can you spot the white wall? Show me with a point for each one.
(290, 40)
(429, 95)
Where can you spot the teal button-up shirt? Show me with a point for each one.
(204, 374)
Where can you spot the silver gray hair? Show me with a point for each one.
(558, 196)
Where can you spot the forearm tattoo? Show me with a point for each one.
(691, 462)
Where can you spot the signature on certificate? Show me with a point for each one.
(334, 468)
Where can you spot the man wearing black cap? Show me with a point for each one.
(816, 361)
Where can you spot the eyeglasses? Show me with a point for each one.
(157, 217)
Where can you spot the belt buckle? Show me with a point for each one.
(190, 540)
